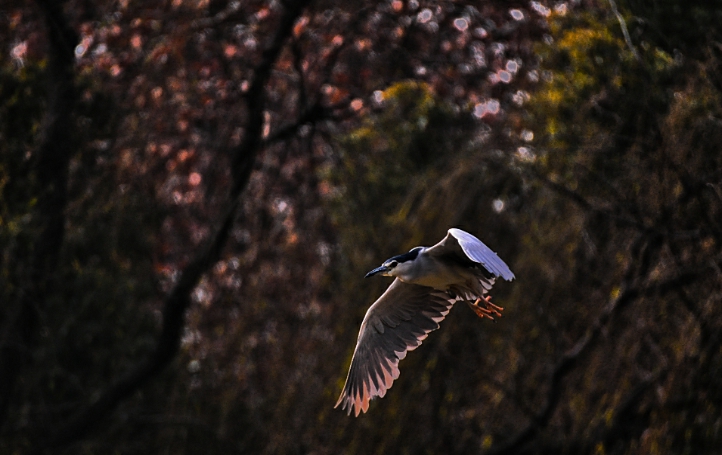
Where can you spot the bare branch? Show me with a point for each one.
(312, 115)
(177, 302)
(582, 202)
(298, 66)
(625, 32)
(244, 155)
(628, 293)
(52, 158)
(220, 18)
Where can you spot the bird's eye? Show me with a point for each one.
(393, 264)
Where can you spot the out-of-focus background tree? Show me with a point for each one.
(192, 190)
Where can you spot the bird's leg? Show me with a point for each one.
(488, 310)
(497, 309)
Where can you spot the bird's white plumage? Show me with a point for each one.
(458, 242)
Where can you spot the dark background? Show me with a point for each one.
(192, 190)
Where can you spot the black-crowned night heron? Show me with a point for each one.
(428, 283)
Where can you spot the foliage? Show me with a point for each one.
(624, 152)
(588, 160)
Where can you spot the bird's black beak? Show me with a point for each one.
(381, 269)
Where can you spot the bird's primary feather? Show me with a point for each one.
(396, 323)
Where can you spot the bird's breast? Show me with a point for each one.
(438, 275)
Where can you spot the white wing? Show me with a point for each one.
(464, 245)
(396, 323)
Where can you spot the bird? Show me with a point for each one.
(428, 281)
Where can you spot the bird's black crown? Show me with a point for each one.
(410, 256)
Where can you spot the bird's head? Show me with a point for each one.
(396, 265)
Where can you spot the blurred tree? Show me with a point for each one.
(191, 191)
(615, 146)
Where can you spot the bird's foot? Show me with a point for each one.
(485, 309)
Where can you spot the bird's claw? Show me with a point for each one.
(486, 309)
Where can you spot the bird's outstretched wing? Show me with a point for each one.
(458, 242)
(396, 323)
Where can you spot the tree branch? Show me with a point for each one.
(627, 294)
(52, 158)
(563, 367)
(624, 414)
(582, 202)
(177, 302)
(625, 32)
(220, 18)
(244, 155)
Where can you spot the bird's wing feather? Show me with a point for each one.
(396, 323)
(458, 242)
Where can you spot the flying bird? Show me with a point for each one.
(429, 280)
